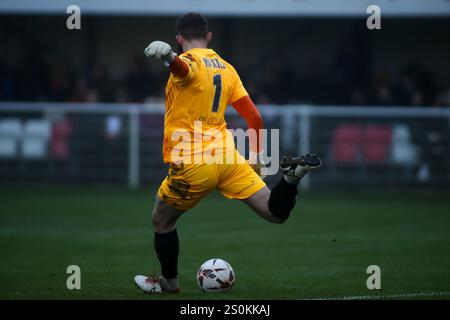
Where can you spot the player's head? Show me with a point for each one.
(192, 31)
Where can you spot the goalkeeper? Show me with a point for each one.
(200, 87)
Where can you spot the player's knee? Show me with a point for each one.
(156, 221)
(161, 225)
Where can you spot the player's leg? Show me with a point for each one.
(183, 188)
(258, 202)
(164, 218)
(275, 206)
(166, 243)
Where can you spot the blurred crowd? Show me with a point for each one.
(47, 77)
(410, 85)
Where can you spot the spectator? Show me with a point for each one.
(358, 97)
(416, 87)
(276, 83)
(138, 81)
(32, 77)
(101, 82)
(82, 92)
(59, 79)
(6, 83)
(443, 98)
(381, 92)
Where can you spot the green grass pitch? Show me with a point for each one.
(321, 252)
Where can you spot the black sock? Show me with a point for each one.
(167, 247)
(282, 199)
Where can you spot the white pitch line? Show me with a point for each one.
(388, 296)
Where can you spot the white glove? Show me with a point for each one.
(160, 50)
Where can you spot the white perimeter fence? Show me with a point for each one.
(121, 143)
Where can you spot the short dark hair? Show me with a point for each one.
(192, 26)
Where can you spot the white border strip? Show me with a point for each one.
(326, 8)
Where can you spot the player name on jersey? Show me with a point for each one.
(213, 63)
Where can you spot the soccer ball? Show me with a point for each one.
(215, 275)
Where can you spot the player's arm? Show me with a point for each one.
(163, 51)
(240, 100)
(247, 109)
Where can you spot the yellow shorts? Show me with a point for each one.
(186, 184)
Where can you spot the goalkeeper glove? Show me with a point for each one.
(160, 50)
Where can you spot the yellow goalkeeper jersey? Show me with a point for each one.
(196, 104)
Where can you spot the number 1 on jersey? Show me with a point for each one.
(217, 81)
